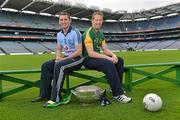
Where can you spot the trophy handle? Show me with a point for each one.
(74, 92)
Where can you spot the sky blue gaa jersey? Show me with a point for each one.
(69, 41)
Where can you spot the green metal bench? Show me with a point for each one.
(129, 82)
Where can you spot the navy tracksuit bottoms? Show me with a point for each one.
(113, 72)
(53, 74)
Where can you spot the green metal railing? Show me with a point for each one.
(134, 69)
(130, 70)
(4, 75)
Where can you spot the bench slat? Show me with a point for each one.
(19, 71)
(153, 65)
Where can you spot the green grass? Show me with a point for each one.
(20, 107)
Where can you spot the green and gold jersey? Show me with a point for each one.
(94, 39)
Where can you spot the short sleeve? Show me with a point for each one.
(77, 37)
(88, 41)
(104, 42)
(103, 39)
(59, 39)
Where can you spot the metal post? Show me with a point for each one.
(178, 74)
(128, 79)
(1, 88)
(67, 84)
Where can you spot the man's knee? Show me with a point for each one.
(44, 65)
(57, 65)
(120, 61)
(47, 64)
(108, 64)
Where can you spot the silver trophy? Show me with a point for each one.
(88, 94)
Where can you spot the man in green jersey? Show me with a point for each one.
(108, 62)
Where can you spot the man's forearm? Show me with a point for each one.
(58, 52)
(97, 55)
(75, 54)
(108, 52)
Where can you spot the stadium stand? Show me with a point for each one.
(34, 47)
(49, 45)
(8, 49)
(36, 33)
(175, 45)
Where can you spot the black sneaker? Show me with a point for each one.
(37, 99)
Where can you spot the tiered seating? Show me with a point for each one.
(142, 25)
(175, 45)
(1, 52)
(12, 47)
(49, 22)
(34, 33)
(114, 46)
(81, 25)
(111, 27)
(172, 22)
(148, 45)
(35, 47)
(155, 24)
(130, 26)
(163, 44)
(49, 45)
(5, 19)
(140, 45)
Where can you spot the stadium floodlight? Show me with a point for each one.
(125, 20)
(141, 19)
(45, 14)
(172, 14)
(28, 12)
(9, 9)
(156, 17)
(85, 19)
(111, 21)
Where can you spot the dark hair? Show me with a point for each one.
(97, 13)
(65, 13)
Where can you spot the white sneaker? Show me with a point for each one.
(50, 102)
(122, 98)
(110, 90)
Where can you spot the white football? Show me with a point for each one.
(152, 102)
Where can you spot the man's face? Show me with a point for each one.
(97, 22)
(64, 21)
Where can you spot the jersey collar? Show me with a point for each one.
(69, 30)
(93, 30)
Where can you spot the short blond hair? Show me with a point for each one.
(97, 13)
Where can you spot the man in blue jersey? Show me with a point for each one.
(53, 71)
